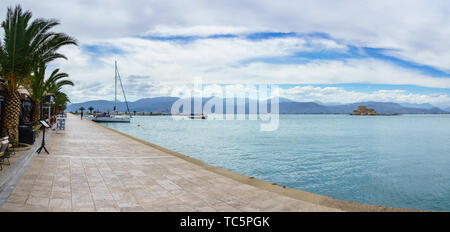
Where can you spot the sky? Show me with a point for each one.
(319, 50)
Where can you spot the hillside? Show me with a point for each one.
(286, 106)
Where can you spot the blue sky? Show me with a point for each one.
(382, 51)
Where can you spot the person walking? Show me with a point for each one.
(81, 109)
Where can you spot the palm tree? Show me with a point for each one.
(25, 44)
(82, 109)
(90, 109)
(61, 100)
(36, 87)
(54, 85)
(39, 88)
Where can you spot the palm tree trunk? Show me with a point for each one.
(36, 114)
(10, 120)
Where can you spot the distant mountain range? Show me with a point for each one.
(155, 105)
(286, 106)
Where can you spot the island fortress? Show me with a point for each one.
(362, 110)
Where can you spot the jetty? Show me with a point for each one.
(94, 168)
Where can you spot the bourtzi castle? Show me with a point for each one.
(362, 110)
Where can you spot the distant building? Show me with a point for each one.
(362, 110)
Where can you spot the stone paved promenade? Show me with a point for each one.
(91, 168)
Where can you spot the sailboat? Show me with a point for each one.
(115, 117)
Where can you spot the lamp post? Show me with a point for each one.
(51, 101)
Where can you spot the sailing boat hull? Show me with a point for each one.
(112, 119)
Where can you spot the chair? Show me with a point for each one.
(4, 139)
(2, 153)
(5, 154)
(8, 151)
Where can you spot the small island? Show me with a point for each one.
(362, 110)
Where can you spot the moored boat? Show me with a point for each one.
(111, 118)
(106, 117)
(198, 116)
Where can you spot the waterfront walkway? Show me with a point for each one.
(92, 168)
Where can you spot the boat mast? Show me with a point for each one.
(115, 86)
(123, 91)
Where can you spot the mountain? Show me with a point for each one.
(157, 105)
(422, 106)
(98, 105)
(280, 100)
(380, 107)
(384, 108)
(303, 108)
(286, 106)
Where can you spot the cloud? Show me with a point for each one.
(198, 30)
(340, 95)
(304, 93)
(415, 32)
(229, 60)
(369, 70)
(147, 66)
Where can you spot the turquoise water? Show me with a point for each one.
(398, 161)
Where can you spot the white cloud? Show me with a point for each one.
(368, 70)
(198, 30)
(222, 61)
(340, 95)
(417, 31)
(308, 93)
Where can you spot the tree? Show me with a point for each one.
(24, 45)
(134, 111)
(39, 88)
(55, 85)
(61, 100)
(90, 109)
(81, 109)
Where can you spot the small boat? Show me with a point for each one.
(198, 116)
(111, 118)
(115, 117)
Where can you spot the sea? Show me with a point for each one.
(398, 161)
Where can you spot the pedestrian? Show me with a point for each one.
(81, 115)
